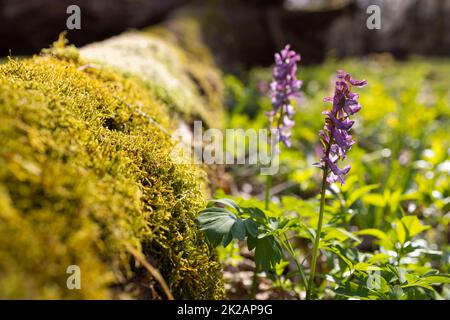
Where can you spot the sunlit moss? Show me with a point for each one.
(84, 175)
(184, 79)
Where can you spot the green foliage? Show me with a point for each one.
(388, 275)
(84, 175)
(392, 212)
(246, 223)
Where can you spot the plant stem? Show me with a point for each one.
(317, 236)
(267, 196)
(269, 177)
(266, 206)
(312, 271)
(299, 266)
(266, 202)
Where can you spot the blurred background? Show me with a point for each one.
(241, 33)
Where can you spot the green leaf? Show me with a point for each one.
(211, 212)
(338, 234)
(238, 230)
(257, 214)
(379, 257)
(290, 223)
(280, 267)
(396, 292)
(385, 241)
(218, 224)
(374, 199)
(341, 255)
(227, 238)
(213, 237)
(218, 219)
(363, 266)
(443, 278)
(376, 283)
(227, 202)
(274, 224)
(421, 284)
(431, 272)
(408, 227)
(251, 227)
(268, 252)
(426, 281)
(398, 272)
(353, 290)
(356, 194)
(401, 232)
(251, 243)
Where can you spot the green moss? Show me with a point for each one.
(182, 77)
(83, 175)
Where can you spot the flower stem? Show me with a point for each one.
(267, 195)
(312, 271)
(272, 150)
(299, 266)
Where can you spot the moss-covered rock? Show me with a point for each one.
(184, 79)
(86, 178)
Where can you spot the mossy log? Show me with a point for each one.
(86, 174)
(175, 67)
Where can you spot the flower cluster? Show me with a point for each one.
(335, 135)
(283, 87)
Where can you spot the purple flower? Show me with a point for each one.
(284, 86)
(335, 135)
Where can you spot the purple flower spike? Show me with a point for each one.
(335, 135)
(284, 86)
